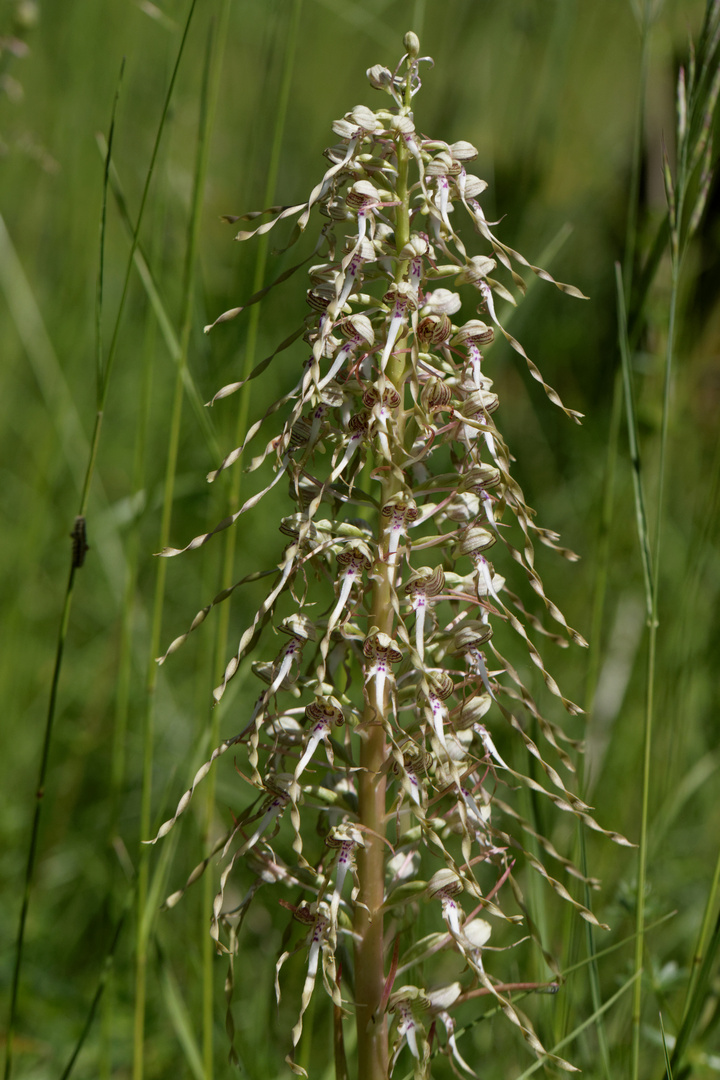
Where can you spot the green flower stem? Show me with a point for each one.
(369, 947)
(145, 910)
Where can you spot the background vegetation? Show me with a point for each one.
(548, 90)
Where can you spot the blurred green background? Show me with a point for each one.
(548, 91)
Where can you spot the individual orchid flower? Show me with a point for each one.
(406, 128)
(417, 249)
(403, 298)
(440, 1003)
(352, 273)
(382, 406)
(421, 588)
(444, 886)
(438, 305)
(301, 630)
(363, 197)
(345, 838)
(316, 917)
(478, 816)
(440, 169)
(409, 762)
(277, 799)
(468, 642)
(476, 540)
(354, 558)
(399, 511)
(473, 336)
(382, 651)
(359, 331)
(358, 426)
(469, 716)
(437, 689)
(436, 396)
(406, 1003)
(474, 936)
(323, 714)
(475, 272)
(474, 414)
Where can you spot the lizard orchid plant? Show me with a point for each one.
(377, 722)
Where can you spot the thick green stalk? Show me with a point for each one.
(369, 943)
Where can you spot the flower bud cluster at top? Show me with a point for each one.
(403, 495)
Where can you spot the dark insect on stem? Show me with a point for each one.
(80, 546)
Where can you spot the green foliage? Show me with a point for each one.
(547, 93)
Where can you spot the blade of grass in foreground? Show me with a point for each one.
(582, 1027)
(76, 561)
(146, 904)
(703, 963)
(103, 371)
(650, 581)
(102, 983)
(697, 107)
(164, 321)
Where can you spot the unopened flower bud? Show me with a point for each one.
(380, 77)
(412, 43)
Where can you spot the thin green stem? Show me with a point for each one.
(209, 99)
(59, 652)
(676, 197)
(101, 987)
(650, 679)
(637, 151)
(602, 558)
(35, 830)
(144, 913)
